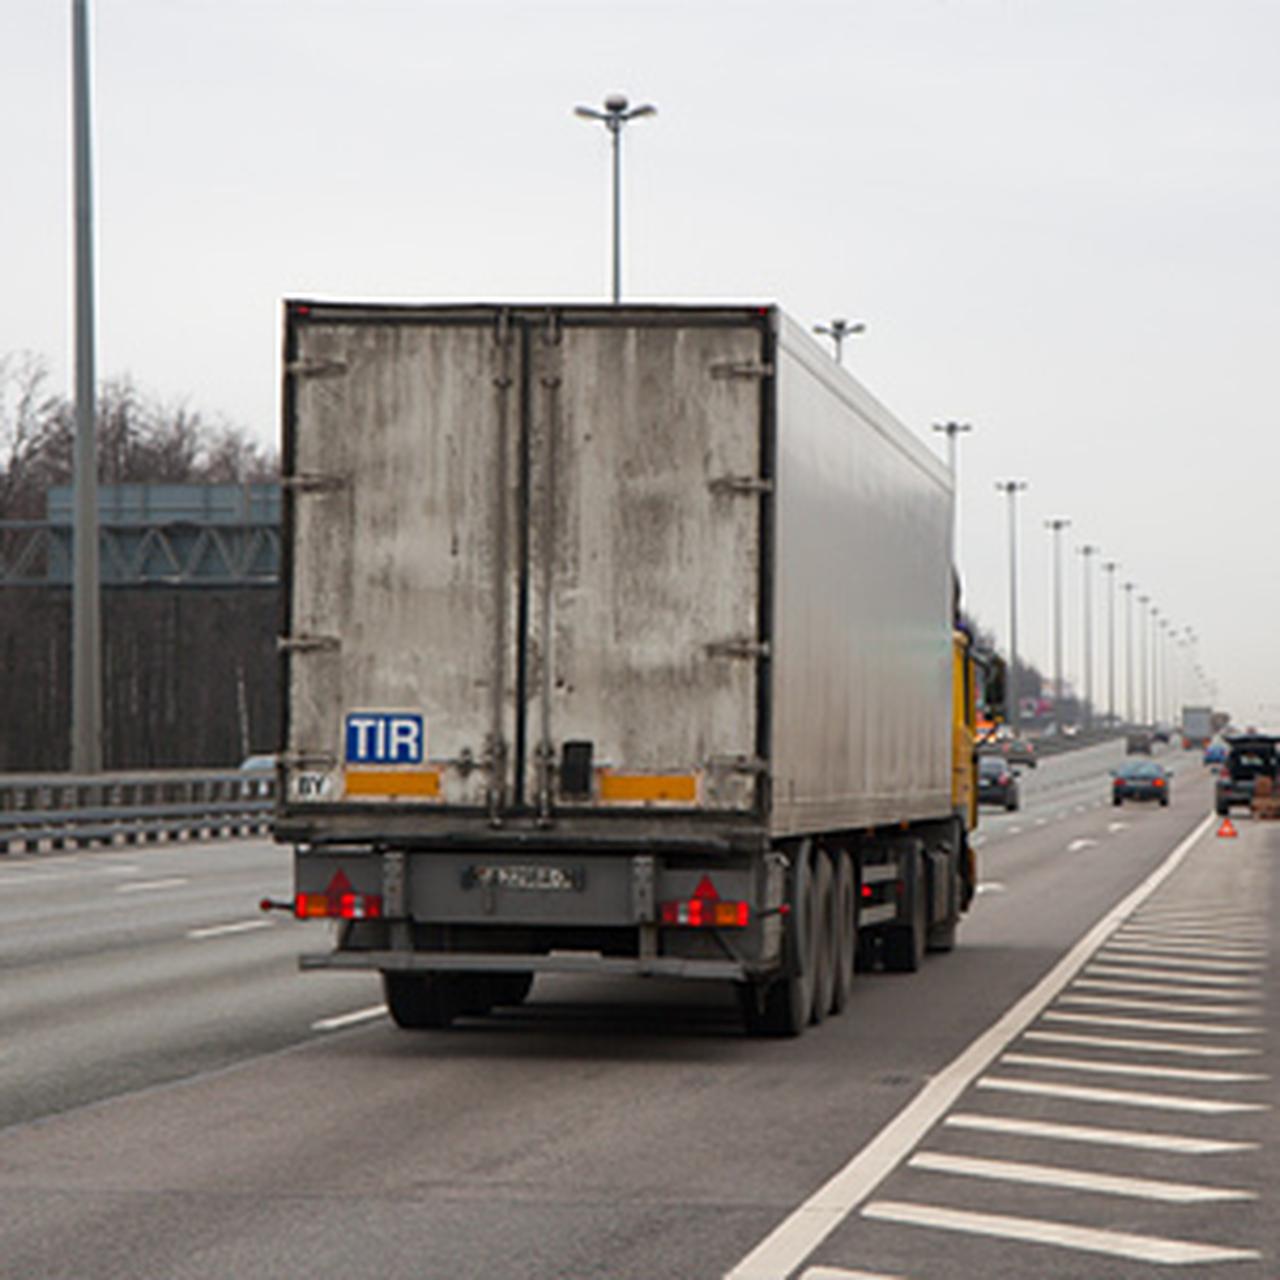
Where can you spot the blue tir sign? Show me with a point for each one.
(382, 737)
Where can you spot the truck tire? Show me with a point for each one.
(942, 936)
(904, 944)
(826, 931)
(781, 1006)
(846, 932)
(420, 1001)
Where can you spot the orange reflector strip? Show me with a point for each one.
(648, 788)
(369, 782)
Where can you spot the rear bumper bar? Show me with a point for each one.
(503, 962)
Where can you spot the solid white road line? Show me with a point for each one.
(1160, 989)
(1143, 1141)
(145, 886)
(1132, 1069)
(1119, 1097)
(1045, 1175)
(783, 1250)
(223, 930)
(1143, 1046)
(1105, 970)
(1119, 1244)
(1151, 1024)
(349, 1019)
(1164, 1006)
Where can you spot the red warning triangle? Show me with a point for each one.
(337, 887)
(1227, 829)
(706, 890)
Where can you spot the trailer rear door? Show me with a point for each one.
(524, 559)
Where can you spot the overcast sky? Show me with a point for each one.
(1059, 219)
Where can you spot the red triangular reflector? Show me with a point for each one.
(706, 890)
(1227, 829)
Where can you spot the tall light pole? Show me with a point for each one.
(838, 331)
(1087, 552)
(617, 113)
(1130, 706)
(951, 430)
(1056, 526)
(1144, 620)
(86, 627)
(1011, 489)
(1109, 567)
(1155, 666)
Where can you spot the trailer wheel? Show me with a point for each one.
(846, 932)
(420, 1001)
(942, 936)
(826, 931)
(781, 1006)
(904, 944)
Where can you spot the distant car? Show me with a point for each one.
(997, 783)
(1138, 743)
(1215, 753)
(1249, 756)
(1018, 751)
(1140, 779)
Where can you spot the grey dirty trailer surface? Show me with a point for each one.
(618, 640)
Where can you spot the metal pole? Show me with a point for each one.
(1130, 707)
(1056, 526)
(951, 430)
(1011, 489)
(1144, 620)
(86, 646)
(1109, 568)
(615, 128)
(615, 115)
(1087, 552)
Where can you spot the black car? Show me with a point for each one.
(997, 783)
(1140, 779)
(1249, 757)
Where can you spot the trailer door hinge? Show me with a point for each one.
(738, 764)
(308, 644)
(741, 369)
(750, 485)
(319, 367)
(312, 482)
(738, 648)
(308, 760)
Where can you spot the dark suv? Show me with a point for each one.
(1249, 756)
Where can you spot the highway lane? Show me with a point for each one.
(606, 1129)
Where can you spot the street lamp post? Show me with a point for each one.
(1011, 489)
(1130, 707)
(1056, 526)
(1109, 567)
(1145, 634)
(838, 331)
(86, 628)
(617, 113)
(952, 430)
(1087, 552)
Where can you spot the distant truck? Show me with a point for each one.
(1197, 728)
(618, 641)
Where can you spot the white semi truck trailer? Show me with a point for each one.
(617, 640)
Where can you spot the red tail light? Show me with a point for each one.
(1159, 782)
(703, 913)
(346, 906)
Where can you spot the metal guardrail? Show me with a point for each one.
(65, 811)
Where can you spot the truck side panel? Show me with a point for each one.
(862, 667)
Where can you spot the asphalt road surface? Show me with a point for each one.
(1084, 1088)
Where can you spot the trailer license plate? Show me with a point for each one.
(537, 879)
